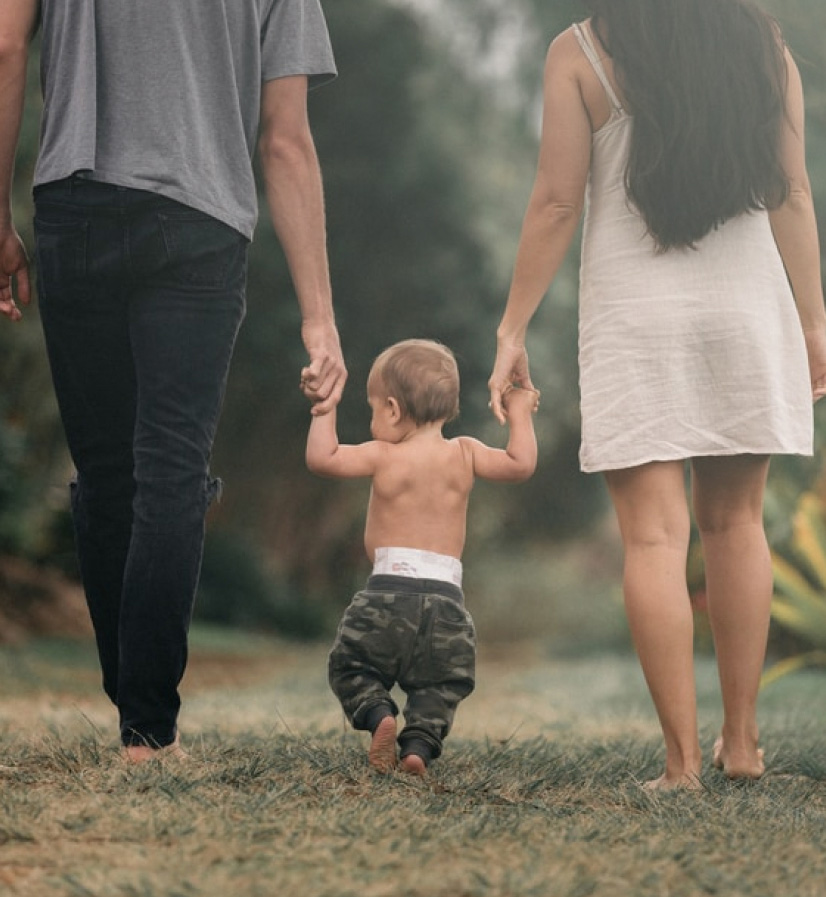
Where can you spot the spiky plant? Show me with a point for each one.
(799, 602)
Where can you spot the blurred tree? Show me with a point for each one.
(426, 178)
(33, 457)
(428, 142)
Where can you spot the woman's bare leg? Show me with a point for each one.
(652, 510)
(728, 507)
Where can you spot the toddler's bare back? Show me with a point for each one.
(419, 497)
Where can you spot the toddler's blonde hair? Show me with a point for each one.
(422, 376)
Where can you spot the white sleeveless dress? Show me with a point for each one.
(686, 353)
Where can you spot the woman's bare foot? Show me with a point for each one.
(689, 782)
(143, 753)
(382, 754)
(414, 765)
(738, 764)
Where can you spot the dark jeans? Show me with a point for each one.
(141, 299)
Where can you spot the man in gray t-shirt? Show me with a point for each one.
(144, 206)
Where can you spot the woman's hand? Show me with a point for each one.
(816, 351)
(510, 369)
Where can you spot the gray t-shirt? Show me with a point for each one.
(164, 95)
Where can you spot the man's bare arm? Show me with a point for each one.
(18, 19)
(295, 197)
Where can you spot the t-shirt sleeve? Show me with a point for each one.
(295, 41)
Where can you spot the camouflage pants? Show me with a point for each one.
(416, 633)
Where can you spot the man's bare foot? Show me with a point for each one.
(143, 753)
(743, 764)
(382, 755)
(414, 765)
(689, 782)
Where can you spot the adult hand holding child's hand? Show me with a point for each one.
(509, 370)
(516, 398)
(323, 379)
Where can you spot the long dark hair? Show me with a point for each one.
(705, 82)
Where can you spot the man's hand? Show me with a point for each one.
(323, 379)
(14, 272)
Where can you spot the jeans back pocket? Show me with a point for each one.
(202, 251)
(61, 254)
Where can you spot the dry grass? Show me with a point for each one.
(537, 792)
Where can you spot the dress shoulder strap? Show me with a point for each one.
(588, 48)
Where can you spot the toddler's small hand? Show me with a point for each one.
(516, 396)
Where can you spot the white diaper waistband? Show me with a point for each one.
(417, 564)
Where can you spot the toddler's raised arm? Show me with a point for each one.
(326, 457)
(517, 461)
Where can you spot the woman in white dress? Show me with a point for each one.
(679, 128)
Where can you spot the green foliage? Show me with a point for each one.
(799, 603)
(31, 459)
(32, 451)
(426, 177)
(427, 141)
(236, 589)
(12, 496)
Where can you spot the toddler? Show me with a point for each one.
(409, 625)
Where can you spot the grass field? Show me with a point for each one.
(537, 792)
